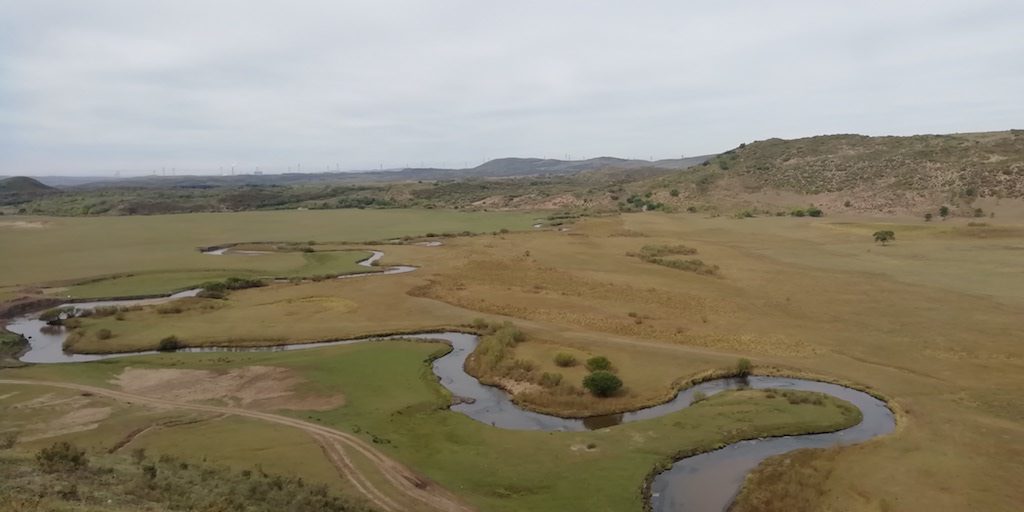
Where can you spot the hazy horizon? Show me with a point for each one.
(108, 86)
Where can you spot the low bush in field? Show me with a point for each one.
(602, 383)
(565, 360)
(170, 344)
(598, 363)
(550, 380)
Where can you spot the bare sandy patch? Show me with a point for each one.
(77, 420)
(51, 400)
(515, 387)
(22, 224)
(257, 387)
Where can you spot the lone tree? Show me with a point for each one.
(884, 237)
(943, 212)
(602, 383)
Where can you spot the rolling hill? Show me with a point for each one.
(890, 174)
(21, 189)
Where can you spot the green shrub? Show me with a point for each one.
(885, 236)
(743, 367)
(550, 380)
(104, 334)
(565, 360)
(602, 383)
(61, 457)
(599, 363)
(170, 344)
(814, 212)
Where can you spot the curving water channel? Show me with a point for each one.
(702, 483)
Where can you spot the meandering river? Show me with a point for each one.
(707, 482)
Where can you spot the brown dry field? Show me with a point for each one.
(932, 321)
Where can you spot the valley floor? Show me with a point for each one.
(931, 321)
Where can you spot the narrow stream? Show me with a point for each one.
(703, 483)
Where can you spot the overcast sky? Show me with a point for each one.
(93, 87)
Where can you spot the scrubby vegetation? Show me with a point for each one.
(743, 367)
(128, 484)
(565, 360)
(598, 363)
(61, 457)
(657, 254)
(170, 344)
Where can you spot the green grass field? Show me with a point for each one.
(54, 249)
(392, 396)
(305, 265)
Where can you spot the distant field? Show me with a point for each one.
(49, 249)
(306, 265)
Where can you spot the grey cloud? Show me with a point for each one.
(99, 86)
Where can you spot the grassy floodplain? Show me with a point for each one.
(392, 398)
(162, 249)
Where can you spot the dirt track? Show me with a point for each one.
(404, 489)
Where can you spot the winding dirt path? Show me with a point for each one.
(405, 489)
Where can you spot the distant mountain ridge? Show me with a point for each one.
(497, 168)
